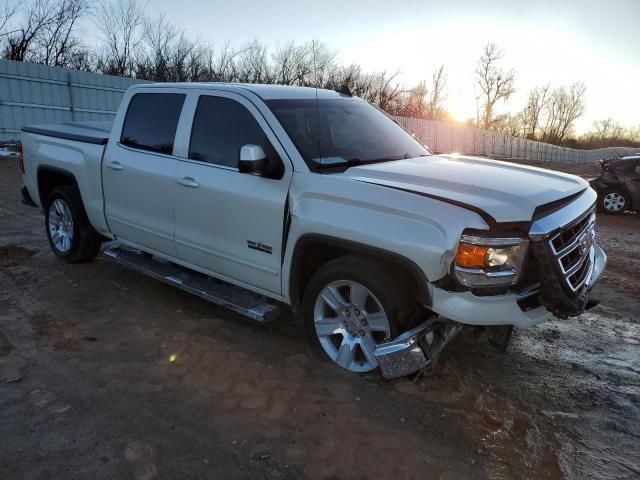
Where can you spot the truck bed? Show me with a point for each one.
(88, 132)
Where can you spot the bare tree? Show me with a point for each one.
(170, 56)
(252, 64)
(293, 64)
(55, 44)
(414, 102)
(533, 111)
(45, 33)
(509, 124)
(565, 106)
(437, 94)
(120, 22)
(608, 128)
(495, 84)
(37, 17)
(609, 133)
(7, 12)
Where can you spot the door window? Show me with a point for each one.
(152, 120)
(221, 127)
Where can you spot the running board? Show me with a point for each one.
(215, 291)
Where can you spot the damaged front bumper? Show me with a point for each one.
(465, 307)
(421, 346)
(416, 348)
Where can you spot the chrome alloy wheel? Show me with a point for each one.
(613, 202)
(60, 225)
(350, 322)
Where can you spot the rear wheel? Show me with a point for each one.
(350, 306)
(613, 201)
(70, 235)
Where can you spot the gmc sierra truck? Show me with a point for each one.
(255, 197)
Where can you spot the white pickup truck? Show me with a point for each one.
(256, 196)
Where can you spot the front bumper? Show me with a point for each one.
(415, 349)
(470, 309)
(421, 346)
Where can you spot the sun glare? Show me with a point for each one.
(459, 111)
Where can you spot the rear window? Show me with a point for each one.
(151, 121)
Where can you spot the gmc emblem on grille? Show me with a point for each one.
(585, 243)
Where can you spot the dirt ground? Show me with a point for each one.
(106, 374)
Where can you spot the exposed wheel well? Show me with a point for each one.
(313, 251)
(50, 178)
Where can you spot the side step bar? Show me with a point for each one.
(221, 293)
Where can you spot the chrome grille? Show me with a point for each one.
(572, 248)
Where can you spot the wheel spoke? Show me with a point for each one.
(346, 355)
(327, 326)
(369, 352)
(378, 321)
(358, 295)
(334, 299)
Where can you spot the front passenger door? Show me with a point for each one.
(227, 223)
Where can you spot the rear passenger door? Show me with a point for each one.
(139, 172)
(230, 224)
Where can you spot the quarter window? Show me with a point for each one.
(152, 120)
(221, 127)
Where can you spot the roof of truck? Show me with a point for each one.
(266, 92)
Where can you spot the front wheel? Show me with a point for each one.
(613, 201)
(71, 236)
(350, 306)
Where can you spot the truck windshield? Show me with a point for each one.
(338, 133)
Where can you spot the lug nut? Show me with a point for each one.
(357, 312)
(347, 313)
(362, 333)
(363, 322)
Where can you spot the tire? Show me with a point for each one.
(346, 334)
(70, 235)
(613, 201)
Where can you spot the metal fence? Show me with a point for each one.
(447, 138)
(33, 94)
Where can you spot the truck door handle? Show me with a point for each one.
(188, 182)
(114, 165)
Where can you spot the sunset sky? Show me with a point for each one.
(558, 41)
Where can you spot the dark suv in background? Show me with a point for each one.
(618, 185)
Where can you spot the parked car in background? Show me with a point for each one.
(618, 185)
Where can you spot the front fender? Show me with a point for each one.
(423, 231)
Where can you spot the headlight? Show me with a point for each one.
(486, 262)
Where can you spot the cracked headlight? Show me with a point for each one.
(487, 262)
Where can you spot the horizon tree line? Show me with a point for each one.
(135, 44)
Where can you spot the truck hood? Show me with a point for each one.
(507, 192)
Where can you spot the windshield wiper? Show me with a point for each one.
(353, 162)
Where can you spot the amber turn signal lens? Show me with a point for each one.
(471, 256)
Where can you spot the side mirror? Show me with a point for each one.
(252, 160)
